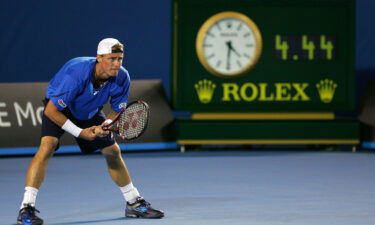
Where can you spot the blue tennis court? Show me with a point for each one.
(208, 188)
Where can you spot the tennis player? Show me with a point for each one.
(74, 101)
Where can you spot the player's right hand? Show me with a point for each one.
(91, 133)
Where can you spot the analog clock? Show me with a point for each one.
(228, 44)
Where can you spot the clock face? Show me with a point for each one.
(228, 44)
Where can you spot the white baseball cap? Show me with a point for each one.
(105, 46)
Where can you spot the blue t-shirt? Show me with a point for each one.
(72, 88)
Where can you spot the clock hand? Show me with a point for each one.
(228, 54)
(229, 43)
(234, 50)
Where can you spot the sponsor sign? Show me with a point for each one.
(21, 110)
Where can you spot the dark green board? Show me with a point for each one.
(277, 82)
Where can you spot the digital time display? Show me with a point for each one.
(305, 47)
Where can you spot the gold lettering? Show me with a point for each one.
(254, 92)
(300, 89)
(282, 91)
(263, 93)
(230, 89)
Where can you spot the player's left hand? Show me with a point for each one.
(99, 132)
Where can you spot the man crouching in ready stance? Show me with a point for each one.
(74, 101)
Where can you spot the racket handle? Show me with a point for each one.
(107, 121)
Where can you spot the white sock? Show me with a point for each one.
(29, 197)
(130, 193)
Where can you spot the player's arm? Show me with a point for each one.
(112, 115)
(120, 94)
(52, 112)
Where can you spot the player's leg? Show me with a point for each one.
(116, 165)
(38, 165)
(34, 178)
(136, 205)
(36, 172)
(117, 169)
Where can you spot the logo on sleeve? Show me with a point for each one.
(122, 105)
(61, 103)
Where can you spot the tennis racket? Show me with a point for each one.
(131, 122)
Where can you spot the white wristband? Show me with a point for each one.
(71, 128)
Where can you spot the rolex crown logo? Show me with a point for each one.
(326, 89)
(205, 90)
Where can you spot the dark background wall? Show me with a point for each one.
(37, 37)
(365, 45)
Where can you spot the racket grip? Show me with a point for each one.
(107, 121)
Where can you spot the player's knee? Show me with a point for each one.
(112, 151)
(47, 146)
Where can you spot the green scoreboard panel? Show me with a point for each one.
(263, 55)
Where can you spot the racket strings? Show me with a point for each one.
(133, 121)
